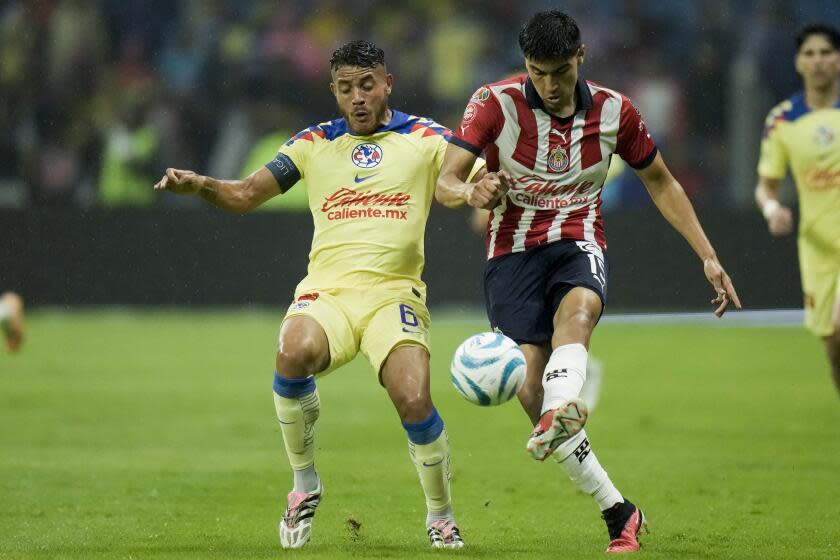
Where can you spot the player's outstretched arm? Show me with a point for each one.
(453, 190)
(670, 198)
(779, 218)
(235, 196)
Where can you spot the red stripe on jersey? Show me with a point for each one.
(572, 226)
(600, 237)
(633, 141)
(507, 227)
(590, 142)
(491, 156)
(538, 234)
(526, 146)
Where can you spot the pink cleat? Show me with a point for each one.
(296, 525)
(624, 523)
(555, 427)
(444, 534)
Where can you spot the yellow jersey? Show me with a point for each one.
(807, 142)
(369, 197)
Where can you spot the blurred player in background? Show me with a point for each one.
(802, 134)
(548, 138)
(11, 320)
(371, 177)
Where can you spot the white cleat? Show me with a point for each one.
(296, 525)
(444, 534)
(555, 427)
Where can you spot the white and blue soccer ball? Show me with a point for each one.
(488, 369)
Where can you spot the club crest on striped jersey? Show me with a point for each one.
(558, 159)
(366, 155)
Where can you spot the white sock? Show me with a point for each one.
(306, 480)
(445, 514)
(579, 461)
(591, 390)
(564, 375)
(5, 312)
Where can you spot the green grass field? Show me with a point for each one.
(153, 435)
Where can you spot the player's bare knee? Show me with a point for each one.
(301, 358)
(584, 319)
(576, 325)
(413, 406)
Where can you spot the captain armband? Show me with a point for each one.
(284, 170)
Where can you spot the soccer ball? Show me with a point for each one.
(488, 369)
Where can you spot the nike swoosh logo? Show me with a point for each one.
(287, 423)
(425, 464)
(360, 179)
(405, 330)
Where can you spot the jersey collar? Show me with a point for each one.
(398, 121)
(583, 97)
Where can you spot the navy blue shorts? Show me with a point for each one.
(523, 290)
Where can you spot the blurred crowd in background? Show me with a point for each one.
(97, 98)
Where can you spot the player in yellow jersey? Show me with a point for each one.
(371, 177)
(803, 134)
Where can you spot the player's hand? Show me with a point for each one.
(724, 289)
(487, 192)
(180, 181)
(780, 221)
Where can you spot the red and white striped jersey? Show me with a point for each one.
(559, 164)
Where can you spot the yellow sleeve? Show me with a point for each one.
(479, 163)
(298, 149)
(773, 159)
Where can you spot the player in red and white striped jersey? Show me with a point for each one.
(548, 137)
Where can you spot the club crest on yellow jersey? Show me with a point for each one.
(824, 137)
(366, 155)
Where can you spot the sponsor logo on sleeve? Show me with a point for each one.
(469, 113)
(481, 95)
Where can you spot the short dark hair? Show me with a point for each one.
(357, 53)
(823, 29)
(549, 35)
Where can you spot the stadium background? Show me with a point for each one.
(99, 97)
